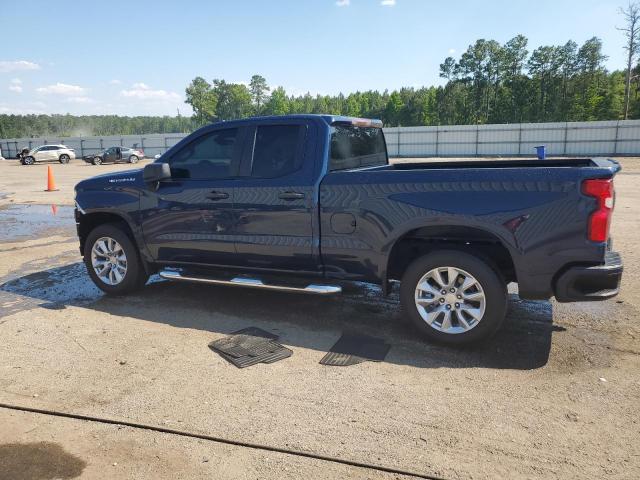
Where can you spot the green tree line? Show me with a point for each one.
(18, 126)
(489, 83)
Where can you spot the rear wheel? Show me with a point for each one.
(454, 297)
(113, 261)
(64, 158)
(133, 159)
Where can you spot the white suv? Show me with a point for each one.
(45, 153)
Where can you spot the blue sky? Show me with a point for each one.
(136, 57)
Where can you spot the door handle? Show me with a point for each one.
(291, 195)
(217, 195)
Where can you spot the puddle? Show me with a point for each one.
(38, 461)
(28, 221)
(52, 289)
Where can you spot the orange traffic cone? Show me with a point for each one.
(51, 182)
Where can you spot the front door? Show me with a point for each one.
(189, 219)
(109, 155)
(274, 201)
(44, 154)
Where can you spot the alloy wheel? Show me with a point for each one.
(450, 300)
(109, 260)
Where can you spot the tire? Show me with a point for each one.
(96, 161)
(134, 275)
(133, 159)
(28, 160)
(64, 158)
(474, 312)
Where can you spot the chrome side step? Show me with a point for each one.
(252, 283)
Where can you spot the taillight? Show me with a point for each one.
(600, 220)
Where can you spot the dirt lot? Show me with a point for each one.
(556, 394)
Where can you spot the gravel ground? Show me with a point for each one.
(554, 395)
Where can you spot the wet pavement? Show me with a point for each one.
(31, 220)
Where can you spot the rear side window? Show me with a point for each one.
(353, 147)
(209, 156)
(276, 151)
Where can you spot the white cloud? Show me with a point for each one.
(17, 65)
(388, 3)
(16, 81)
(343, 3)
(115, 82)
(143, 91)
(15, 88)
(62, 89)
(80, 100)
(452, 51)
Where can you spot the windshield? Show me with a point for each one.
(354, 147)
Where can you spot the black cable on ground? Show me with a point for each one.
(226, 441)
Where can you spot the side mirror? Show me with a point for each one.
(156, 172)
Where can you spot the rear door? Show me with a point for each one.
(274, 201)
(189, 219)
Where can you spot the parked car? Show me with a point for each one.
(115, 155)
(47, 153)
(306, 202)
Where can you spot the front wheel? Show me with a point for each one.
(112, 260)
(454, 297)
(64, 158)
(28, 160)
(96, 161)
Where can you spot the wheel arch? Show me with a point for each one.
(90, 220)
(422, 240)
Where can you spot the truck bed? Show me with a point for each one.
(502, 163)
(533, 207)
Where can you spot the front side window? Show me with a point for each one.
(276, 151)
(209, 156)
(354, 147)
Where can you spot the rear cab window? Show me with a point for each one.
(354, 147)
(276, 150)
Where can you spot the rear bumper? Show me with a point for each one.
(582, 283)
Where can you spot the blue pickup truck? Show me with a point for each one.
(304, 203)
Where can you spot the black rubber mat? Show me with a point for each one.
(250, 346)
(353, 348)
(256, 332)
